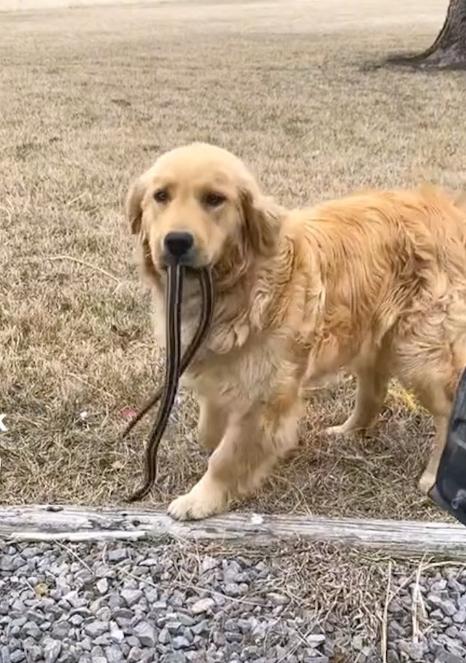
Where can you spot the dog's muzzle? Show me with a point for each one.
(179, 246)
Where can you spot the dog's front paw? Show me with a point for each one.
(205, 499)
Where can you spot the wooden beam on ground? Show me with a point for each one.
(79, 523)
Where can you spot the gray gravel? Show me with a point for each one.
(140, 603)
(434, 608)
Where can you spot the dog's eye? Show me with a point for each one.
(213, 199)
(161, 196)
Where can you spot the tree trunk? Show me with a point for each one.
(449, 49)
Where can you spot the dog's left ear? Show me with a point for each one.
(133, 204)
(262, 217)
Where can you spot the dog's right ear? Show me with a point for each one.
(133, 204)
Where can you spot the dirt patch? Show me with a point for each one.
(91, 102)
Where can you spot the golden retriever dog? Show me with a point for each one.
(374, 283)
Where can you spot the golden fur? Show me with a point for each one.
(374, 283)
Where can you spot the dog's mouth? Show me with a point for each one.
(191, 277)
(191, 272)
(192, 263)
(189, 259)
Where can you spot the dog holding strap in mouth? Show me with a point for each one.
(374, 283)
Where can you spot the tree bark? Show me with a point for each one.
(449, 49)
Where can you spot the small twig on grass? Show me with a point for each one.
(422, 604)
(384, 639)
(86, 264)
(75, 199)
(76, 556)
(77, 377)
(414, 604)
(295, 646)
(234, 599)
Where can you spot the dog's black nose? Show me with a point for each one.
(177, 244)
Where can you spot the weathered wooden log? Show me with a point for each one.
(80, 523)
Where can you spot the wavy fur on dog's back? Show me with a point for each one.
(377, 252)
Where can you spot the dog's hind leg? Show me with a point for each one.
(436, 394)
(427, 480)
(371, 392)
(431, 365)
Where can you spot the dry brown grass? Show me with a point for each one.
(90, 98)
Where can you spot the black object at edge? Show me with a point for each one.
(449, 490)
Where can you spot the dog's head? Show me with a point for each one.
(200, 204)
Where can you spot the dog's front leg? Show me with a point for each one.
(212, 423)
(251, 444)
